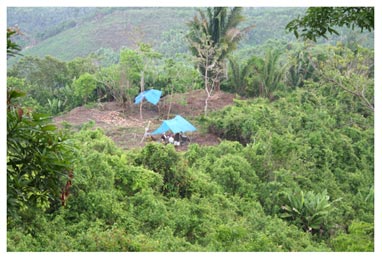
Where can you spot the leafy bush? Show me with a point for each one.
(308, 210)
(358, 239)
(167, 162)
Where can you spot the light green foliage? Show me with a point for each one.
(28, 101)
(136, 67)
(306, 141)
(136, 62)
(267, 76)
(80, 66)
(352, 72)
(245, 79)
(178, 77)
(235, 175)
(358, 238)
(84, 86)
(131, 64)
(165, 161)
(133, 179)
(302, 64)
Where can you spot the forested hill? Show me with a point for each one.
(66, 33)
(282, 158)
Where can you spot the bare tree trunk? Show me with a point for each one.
(140, 110)
(169, 107)
(142, 89)
(207, 90)
(206, 103)
(142, 81)
(146, 134)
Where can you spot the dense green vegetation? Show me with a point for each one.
(319, 21)
(294, 170)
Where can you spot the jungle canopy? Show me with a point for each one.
(151, 95)
(176, 125)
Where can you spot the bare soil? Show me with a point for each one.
(125, 127)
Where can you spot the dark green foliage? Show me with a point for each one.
(244, 78)
(302, 67)
(12, 48)
(258, 77)
(45, 79)
(319, 21)
(39, 161)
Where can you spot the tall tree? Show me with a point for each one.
(39, 159)
(319, 21)
(220, 26)
(135, 66)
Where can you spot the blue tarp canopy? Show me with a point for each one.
(151, 95)
(176, 125)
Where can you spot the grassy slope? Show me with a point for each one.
(115, 30)
(125, 27)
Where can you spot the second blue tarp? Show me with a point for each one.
(152, 96)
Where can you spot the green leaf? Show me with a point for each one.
(40, 116)
(16, 94)
(49, 128)
(285, 215)
(295, 33)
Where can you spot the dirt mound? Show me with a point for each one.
(192, 103)
(125, 127)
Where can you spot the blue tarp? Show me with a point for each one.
(176, 125)
(151, 95)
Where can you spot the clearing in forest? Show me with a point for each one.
(125, 127)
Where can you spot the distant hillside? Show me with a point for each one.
(66, 33)
(97, 29)
(70, 32)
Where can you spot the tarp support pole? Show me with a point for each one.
(146, 132)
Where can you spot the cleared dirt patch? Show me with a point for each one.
(125, 127)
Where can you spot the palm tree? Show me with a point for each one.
(240, 76)
(258, 77)
(272, 72)
(219, 25)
